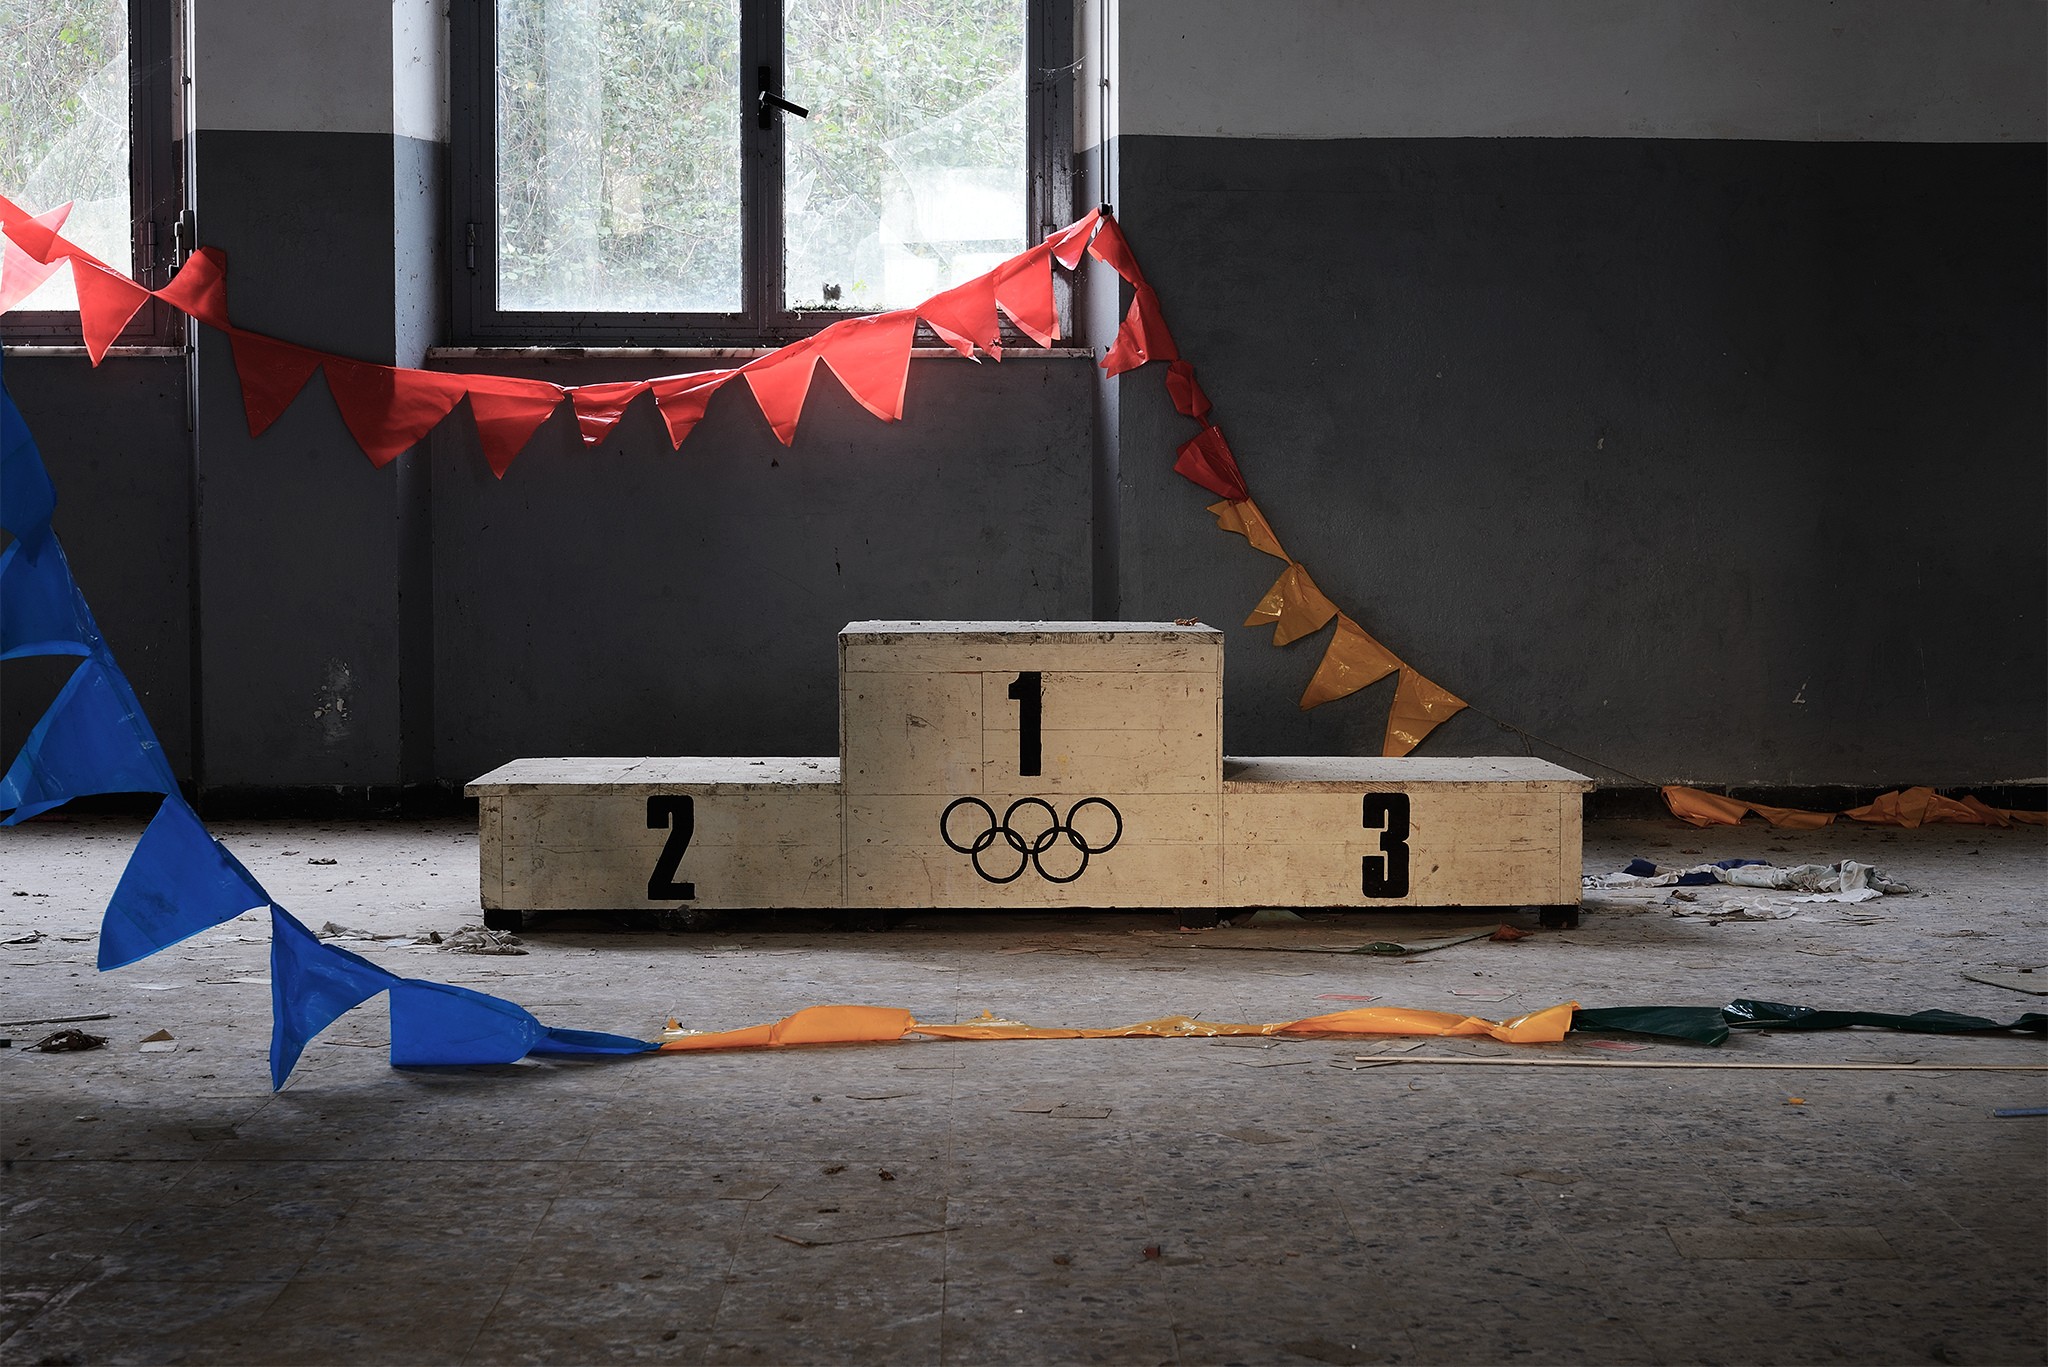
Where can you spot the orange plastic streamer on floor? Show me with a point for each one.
(885, 1024)
(1908, 807)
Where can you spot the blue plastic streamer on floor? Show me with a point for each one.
(179, 880)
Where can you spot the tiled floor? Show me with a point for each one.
(1194, 1202)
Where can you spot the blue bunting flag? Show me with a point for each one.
(93, 739)
(41, 612)
(179, 881)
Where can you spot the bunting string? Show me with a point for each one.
(389, 409)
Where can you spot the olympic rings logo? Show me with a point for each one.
(1030, 846)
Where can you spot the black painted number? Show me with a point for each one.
(1386, 874)
(678, 816)
(1029, 694)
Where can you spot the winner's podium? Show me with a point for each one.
(1028, 765)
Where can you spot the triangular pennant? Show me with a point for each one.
(1187, 395)
(389, 409)
(507, 413)
(1354, 660)
(312, 985)
(38, 234)
(22, 274)
(178, 882)
(682, 399)
(1024, 291)
(1243, 517)
(272, 374)
(107, 299)
(1110, 248)
(92, 740)
(1419, 708)
(780, 381)
(1205, 458)
(1294, 605)
(600, 406)
(1071, 241)
(964, 316)
(1143, 336)
(440, 1024)
(41, 612)
(871, 357)
(200, 287)
(27, 498)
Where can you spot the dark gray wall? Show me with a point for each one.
(1716, 460)
(633, 599)
(117, 448)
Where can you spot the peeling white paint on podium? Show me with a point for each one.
(1029, 765)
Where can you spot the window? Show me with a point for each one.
(90, 100)
(734, 172)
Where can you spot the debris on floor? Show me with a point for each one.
(1847, 881)
(481, 940)
(1420, 944)
(2017, 980)
(68, 1042)
(162, 1042)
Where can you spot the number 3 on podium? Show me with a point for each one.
(1386, 874)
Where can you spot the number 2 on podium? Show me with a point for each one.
(678, 816)
(1386, 874)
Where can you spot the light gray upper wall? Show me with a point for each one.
(338, 66)
(1781, 70)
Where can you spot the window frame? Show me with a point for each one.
(475, 319)
(157, 220)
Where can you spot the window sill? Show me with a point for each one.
(114, 353)
(707, 353)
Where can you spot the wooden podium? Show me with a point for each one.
(1028, 765)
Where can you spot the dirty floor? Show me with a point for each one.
(1123, 1201)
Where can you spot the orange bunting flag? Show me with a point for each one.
(1024, 290)
(1187, 395)
(871, 357)
(387, 409)
(780, 381)
(1205, 458)
(1419, 708)
(507, 413)
(1242, 516)
(599, 407)
(1294, 605)
(682, 398)
(272, 374)
(1924, 807)
(964, 316)
(1353, 661)
(887, 1024)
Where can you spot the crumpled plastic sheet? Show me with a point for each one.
(1848, 881)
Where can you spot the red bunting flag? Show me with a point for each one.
(107, 299)
(600, 406)
(871, 357)
(1112, 249)
(272, 374)
(1206, 460)
(965, 316)
(507, 413)
(681, 399)
(1187, 395)
(200, 288)
(388, 409)
(780, 381)
(20, 273)
(1071, 241)
(1143, 336)
(1024, 290)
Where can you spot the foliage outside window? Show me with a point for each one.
(625, 187)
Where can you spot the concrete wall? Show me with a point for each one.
(1665, 378)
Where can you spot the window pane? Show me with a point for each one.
(909, 174)
(64, 125)
(619, 155)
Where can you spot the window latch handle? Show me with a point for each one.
(771, 100)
